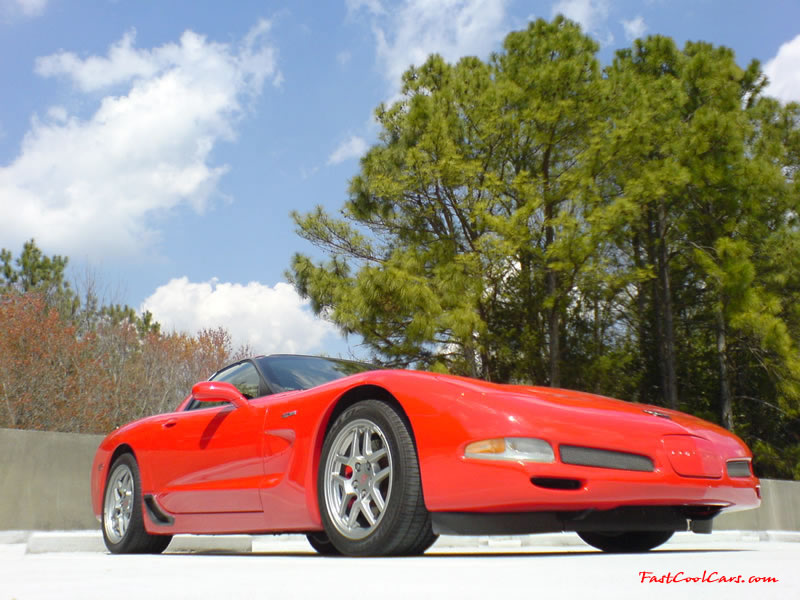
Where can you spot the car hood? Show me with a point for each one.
(590, 408)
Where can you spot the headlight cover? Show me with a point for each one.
(512, 448)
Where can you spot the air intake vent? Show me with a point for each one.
(738, 468)
(607, 459)
(556, 483)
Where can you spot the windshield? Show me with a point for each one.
(286, 373)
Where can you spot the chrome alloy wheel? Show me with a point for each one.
(118, 507)
(358, 479)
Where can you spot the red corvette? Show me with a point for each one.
(370, 462)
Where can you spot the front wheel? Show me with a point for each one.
(123, 522)
(320, 542)
(625, 541)
(369, 488)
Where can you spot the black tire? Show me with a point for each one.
(426, 540)
(321, 543)
(625, 541)
(383, 448)
(132, 538)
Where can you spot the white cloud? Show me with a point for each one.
(591, 14)
(783, 72)
(269, 319)
(634, 28)
(123, 63)
(27, 8)
(94, 185)
(353, 147)
(407, 33)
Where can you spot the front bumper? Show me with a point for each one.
(467, 485)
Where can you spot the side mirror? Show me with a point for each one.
(218, 391)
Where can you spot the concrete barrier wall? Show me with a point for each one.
(44, 480)
(779, 510)
(44, 485)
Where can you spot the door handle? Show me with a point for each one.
(170, 423)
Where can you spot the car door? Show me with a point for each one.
(208, 458)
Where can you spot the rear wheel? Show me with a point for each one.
(123, 522)
(625, 541)
(369, 488)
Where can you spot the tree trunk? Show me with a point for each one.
(642, 308)
(553, 325)
(725, 398)
(671, 391)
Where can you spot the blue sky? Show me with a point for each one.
(161, 145)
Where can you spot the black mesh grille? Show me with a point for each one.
(608, 459)
(738, 468)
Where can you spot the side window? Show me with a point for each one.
(242, 376)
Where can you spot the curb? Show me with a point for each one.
(42, 542)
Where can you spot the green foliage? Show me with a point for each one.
(466, 215)
(633, 232)
(32, 271)
(125, 314)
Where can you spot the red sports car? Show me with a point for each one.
(379, 462)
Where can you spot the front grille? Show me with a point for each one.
(738, 468)
(607, 459)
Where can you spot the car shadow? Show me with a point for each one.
(584, 554)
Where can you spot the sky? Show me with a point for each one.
(162, 145)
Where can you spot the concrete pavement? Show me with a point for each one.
(725, 566)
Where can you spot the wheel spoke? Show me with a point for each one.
(354, 445)
(381, 475)
(377, 497)
(366, 442)
(367, 512)
(374, 457)
(352, 519)
(343, 506)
